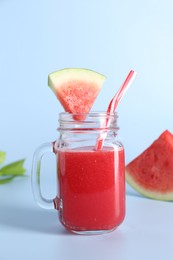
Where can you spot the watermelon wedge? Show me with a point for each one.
(76, 89)
(151, 173)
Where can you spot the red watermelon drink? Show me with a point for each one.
(92, 188)
(91, 182)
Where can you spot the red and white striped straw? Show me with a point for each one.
(113, 105)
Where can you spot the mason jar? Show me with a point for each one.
(90, 174)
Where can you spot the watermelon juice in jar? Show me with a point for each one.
(90, 181)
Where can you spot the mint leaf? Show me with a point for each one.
(15, 169)
(7, 179)
(10, 171)
(2, 157)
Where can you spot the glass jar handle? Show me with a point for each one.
(35, 177)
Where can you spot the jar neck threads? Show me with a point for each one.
(91, 121)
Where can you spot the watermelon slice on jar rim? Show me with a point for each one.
(76, 88)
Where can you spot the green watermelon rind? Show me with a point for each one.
(168, 196)
(57, 78)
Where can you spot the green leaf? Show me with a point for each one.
(15, 169)
(2, 157)
(5, 180)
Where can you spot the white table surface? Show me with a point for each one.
(29, 232)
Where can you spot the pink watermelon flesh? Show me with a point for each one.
(151, 173)
(76, 89)
(77, 99)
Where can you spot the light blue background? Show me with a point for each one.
(109, 36)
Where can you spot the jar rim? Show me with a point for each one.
(85, 117)
(92, 113)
